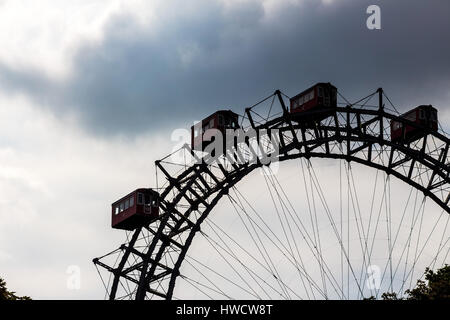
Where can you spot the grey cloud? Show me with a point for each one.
(215, 57)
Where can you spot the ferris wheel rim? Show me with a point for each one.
(437, 166)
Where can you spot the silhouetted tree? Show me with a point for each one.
(389, 296)
(435, 287)
(5, 294)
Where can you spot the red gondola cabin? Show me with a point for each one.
(314, 104)
(220, 120)
(424, 115)
(136, 209)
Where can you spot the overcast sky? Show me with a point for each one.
(90, 92)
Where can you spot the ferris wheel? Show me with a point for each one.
(350, 200)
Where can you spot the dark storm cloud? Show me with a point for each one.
(218, 57)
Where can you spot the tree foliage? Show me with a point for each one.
(435, 287)
(5, 294)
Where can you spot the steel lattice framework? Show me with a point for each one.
(150, 261)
